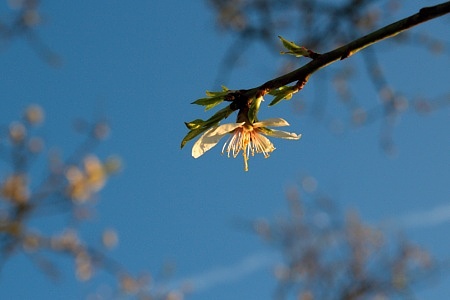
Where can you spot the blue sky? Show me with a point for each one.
(140, 65)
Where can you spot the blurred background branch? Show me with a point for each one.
(327, 255)
(23, 20)
(44, 205)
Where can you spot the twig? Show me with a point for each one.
(425, 14)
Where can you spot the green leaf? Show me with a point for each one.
(194, 124)
(209, 102)
(276, 100)
(192, 134)
(199, 126)
(293, 48)
(220, 115)
(213, 98)
(222, 93)
(283, 93)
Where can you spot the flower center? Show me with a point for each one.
(249, 140)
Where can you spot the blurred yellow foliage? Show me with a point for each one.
(15, 188)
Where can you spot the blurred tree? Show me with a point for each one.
(22, 21)
(327, 256)
(68, 188)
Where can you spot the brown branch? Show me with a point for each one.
(302, 74)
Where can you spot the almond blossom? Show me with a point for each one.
(250, 138)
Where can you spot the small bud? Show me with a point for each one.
(17, 132)
(112, 165)
(31, 242)
(35, 145)
(34, 115)
(109, 238)
(31, 18)
(129, 285)
(95, 175)
(174, 295)
(101, 130)
(296, 50)
(84, 268)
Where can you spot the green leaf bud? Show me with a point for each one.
(293, 48)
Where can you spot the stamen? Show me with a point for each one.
(237, 141)
(224, 145)
(250, 140)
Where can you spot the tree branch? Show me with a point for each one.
(302, 74)
(244, 99)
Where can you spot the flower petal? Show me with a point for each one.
(202, 145)
(273, 122)
(211, 137)
(225, 128)
(280, 134)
